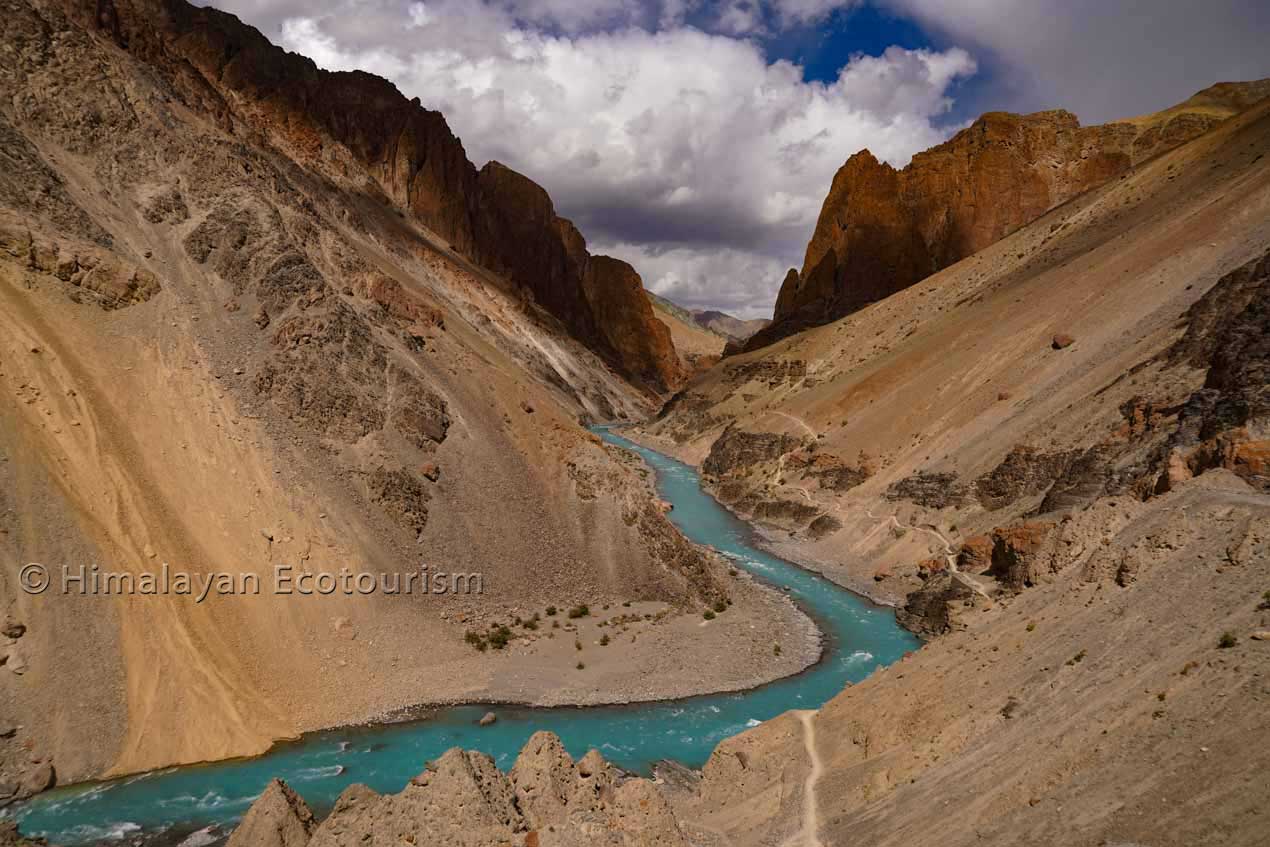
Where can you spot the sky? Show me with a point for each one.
(697, 139)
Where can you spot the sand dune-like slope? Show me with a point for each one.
(217, 357)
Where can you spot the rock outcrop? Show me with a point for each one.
(463, 800)
(278, 818)
(373, 138)
(881, 230)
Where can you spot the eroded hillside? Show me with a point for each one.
(241, 329)
(1052, 456)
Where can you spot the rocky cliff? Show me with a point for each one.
(365, 135)
(881, 230)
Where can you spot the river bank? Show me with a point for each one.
(858, 637)
(851, 572)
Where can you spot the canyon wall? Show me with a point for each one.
(363, 133)
(881, 229)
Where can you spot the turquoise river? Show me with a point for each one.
(176, 803)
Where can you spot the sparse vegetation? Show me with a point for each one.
(499, 635)
(604, 640)
(579, 611)
(720, 606)
(708, 615)
(1011, 706)
(1031, 626)
(1077, 659)
(577, 643)
(1227, 640)
(476, 640)
(580, 666)
(776, 649)
(551, 611)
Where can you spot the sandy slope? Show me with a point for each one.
(215, 358)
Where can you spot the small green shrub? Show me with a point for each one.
(720, 606)
(776, 649)
(604, 640)
(579, 611)
(1227, 640)
(709, 615)
(551, 611)
(581, 666)
(499, 636)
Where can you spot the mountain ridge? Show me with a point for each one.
(495, 216)
(882, 229)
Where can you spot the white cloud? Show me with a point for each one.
(735, 280)
(685, 152)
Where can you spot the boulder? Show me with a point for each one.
(1062, 340)
(487, 719)
(40, 776)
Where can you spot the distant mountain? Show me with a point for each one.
(733, 328)
(698, 347)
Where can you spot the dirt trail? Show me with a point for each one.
(806, 837)
(950, 555)
(794, 418)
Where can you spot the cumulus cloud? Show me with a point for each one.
(683, 151)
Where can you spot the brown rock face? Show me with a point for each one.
(626, 323)
(362, 127)
(1018, 553)
(881, 230)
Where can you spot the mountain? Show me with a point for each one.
(699, 347)
(1052, 457)
(881, 230)
(724, 324)
(254, 315)
(1053, 454)
(496, 217)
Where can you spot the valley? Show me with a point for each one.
(971, 539)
